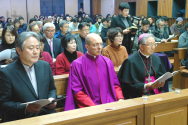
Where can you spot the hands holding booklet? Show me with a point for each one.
(35, 106)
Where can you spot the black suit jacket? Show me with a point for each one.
(16, 88)
(117, 22)
(57, 47)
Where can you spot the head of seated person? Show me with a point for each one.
(150, 19)
(32, 20)
(59, 20)
(40, 24)
(104, 21)
(9, 36)
(75, 21)
(34, 27)
(84, 29)
(160, 25)
(16, 24)
(146, 43)
(145, 26)
(64, 27)
(108, 22)
(68, 42)
(68, 18)
(28, 47)
(49, 30)
(21, 19)
(165, 18)
(179, 22)
(94, 44)
(115, 35)
(11, 24)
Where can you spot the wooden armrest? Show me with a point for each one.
(178, 49)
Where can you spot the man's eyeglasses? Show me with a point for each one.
(97, 45)
(86, 30)
(151, 45)
(50, 31)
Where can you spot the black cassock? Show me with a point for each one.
(132, 74)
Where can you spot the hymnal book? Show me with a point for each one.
(173, 36)
(166, 76)
(8, 54)
(133, 28)
(44, 102)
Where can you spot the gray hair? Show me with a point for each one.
(62, 23)
(159, 20)
(32, 25)
(144, 39)
(20, 41)
(46, 25)
(39, 22)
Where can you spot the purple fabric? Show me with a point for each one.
(156, 91)
(95, 77)
(167, 65)
(141, 36)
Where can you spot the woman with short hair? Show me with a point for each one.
(115, 51)
(64, 60)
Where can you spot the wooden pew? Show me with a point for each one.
(166, 109)
(179, 53)
(61, 82)
(168, 46)
(74, 32)
(127, 112)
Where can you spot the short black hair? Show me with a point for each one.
(165, 18)
(108, 19)
(66, 39)
(16, 21)
(59, 20)
(123, 6)
(32, 19)
(112, 32)
(21, 18)
(75, 20)
(104, 19)
(83, 24)
(13, 32)
(88, 20)
(145, 22)
(149, 17)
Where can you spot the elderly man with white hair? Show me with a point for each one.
(52, 45)
(140, 70)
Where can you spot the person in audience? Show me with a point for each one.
(73, 26)
(64, 60)
(41, 19)
(104, 22)
(90, 82)
(165, 18)
(80, 38)
(1, 31)
(8, 20)
(152, 26)
(105, 30)
(92, 27)
(183, 39)
(64, 29)
(52, 45)
(9, 36)
(143, 29)
(17, 26)
(45, 56)
(177, 26)
(68, 19)
(36, 17)
(11, 24)
(31, 80)
(32, 20)
(114, 15)
(23, 25)
(140, 70)
(98, 22)
(40, 24)
(34, 27)
(161, 31)
(80, 12)
(108, 16)
(2, 21)
(124, 22)
(115, 51)
(57, 25)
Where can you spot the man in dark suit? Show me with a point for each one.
(124, 21)
(26, 79)
(52, 45)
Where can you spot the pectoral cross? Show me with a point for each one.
(148, 79)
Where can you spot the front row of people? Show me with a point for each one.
(92, 79)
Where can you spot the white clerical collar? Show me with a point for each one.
(144, 54)
(91, 55)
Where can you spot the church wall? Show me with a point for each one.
(107, 7)
(71, 7)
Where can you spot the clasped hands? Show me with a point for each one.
(35, 108)
(155, 85)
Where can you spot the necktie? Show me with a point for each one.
(51, 47)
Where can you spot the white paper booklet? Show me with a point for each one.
(166, 76)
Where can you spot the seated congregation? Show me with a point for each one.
(78, 46)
